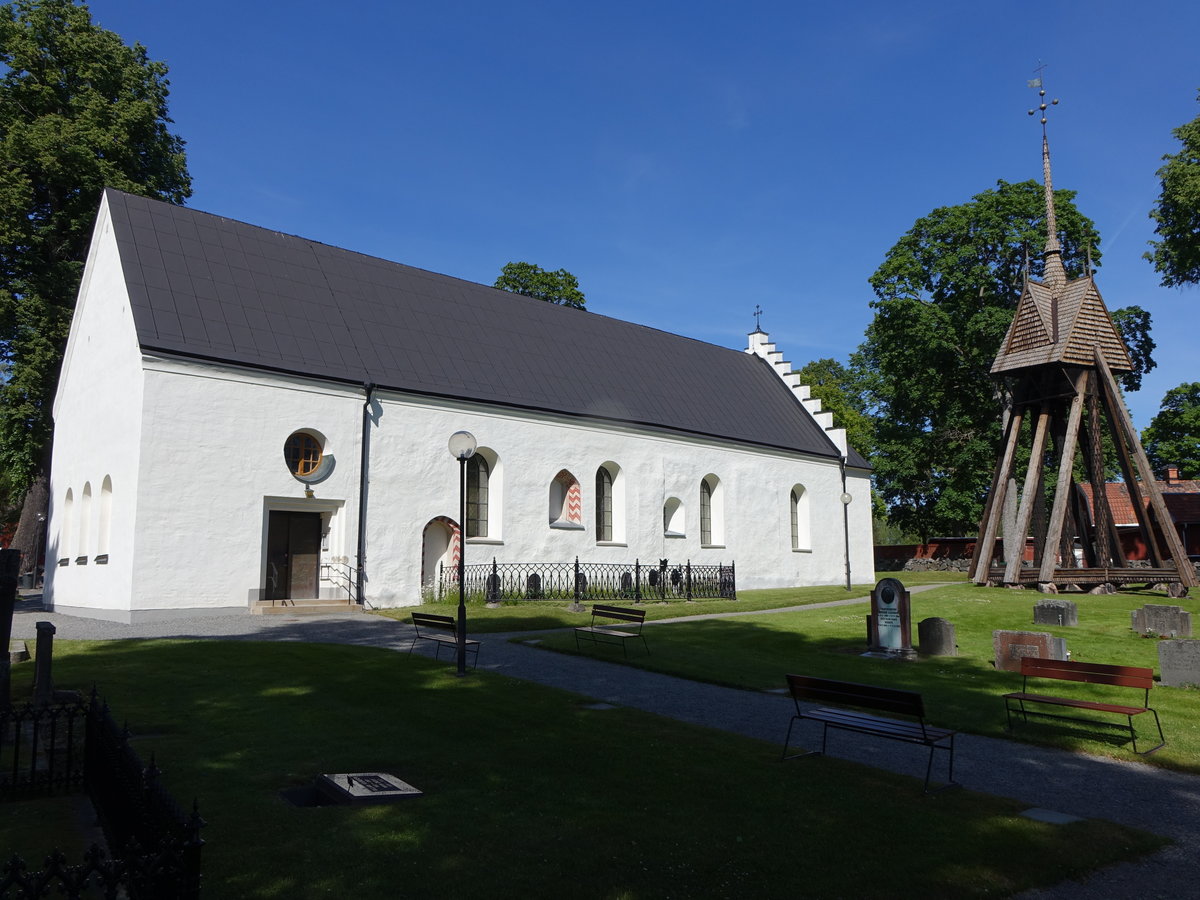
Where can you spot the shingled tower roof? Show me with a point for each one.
(1059, 320)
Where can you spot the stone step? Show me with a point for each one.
(303, 607)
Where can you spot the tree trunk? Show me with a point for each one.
(30, 537)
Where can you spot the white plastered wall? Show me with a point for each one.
(97, 413)
(193, 486)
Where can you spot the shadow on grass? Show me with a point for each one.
(529, 792)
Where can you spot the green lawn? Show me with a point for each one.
(529, 792)
(536, 615)
(961, 692)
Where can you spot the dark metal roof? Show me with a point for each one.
(214, 288)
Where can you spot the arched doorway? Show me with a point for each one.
(439, 547)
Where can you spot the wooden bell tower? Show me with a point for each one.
(1059, 358)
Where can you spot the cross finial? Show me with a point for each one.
(1038, 83)
(757, 317)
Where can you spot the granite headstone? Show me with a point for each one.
(1055, 612)
(936, 637)
(1009, 646)
(1179, 662)
(1174, 621)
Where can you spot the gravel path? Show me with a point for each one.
(1131, 793)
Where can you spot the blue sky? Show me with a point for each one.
(686, 161)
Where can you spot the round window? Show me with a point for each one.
(302, 453)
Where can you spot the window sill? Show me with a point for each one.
(567, 526)
(673, 534)
(802, 549)
(712, 546)
(101, 560)
(494, 542)
(81, 560)
(611, 544)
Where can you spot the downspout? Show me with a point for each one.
(845, 498)
(363, 475)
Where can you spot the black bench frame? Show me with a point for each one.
(844, 693)
(436, 628)
(609, 634)
(1089, 673)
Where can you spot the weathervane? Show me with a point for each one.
(1037, 83)
(757, 317)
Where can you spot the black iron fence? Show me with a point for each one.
(584, 581)
(64, 747)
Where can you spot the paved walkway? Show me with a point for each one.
(1143, 796)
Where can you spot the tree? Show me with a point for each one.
(560, 287)
(838, 389)
(1133, 323)
(1176, 256)
(1173, 436)
(945, 295)
(79, 110)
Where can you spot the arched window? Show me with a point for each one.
(604, 504)
(64, 530)
(712, 508)
(105, 519)
(566, 501)
(478, 474)
(673, 518)
(801, 536)
(85, 521)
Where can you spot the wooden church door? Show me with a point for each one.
(293, 555)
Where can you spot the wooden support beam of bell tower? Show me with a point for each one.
(1062, 487)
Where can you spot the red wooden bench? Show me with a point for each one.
(1089, 673)
(913, 730)
(442, 630)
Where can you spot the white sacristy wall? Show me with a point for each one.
(94, 475)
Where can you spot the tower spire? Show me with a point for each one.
(1055, 276)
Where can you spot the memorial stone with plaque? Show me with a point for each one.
(1010, 646)
(1173, 621)
(889, 627)
(1179, 663)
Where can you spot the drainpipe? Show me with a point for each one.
(846, 520)
(363, 474)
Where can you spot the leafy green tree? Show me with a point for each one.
(839, 390)
(560, 287)
(1173, 436)
(79, 110)
(945, 295)
(1176, 256)
(1133, 323)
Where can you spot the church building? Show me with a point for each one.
(246, 417)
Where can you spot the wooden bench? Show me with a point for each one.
(610, 634)
(1089, 673)
(442, 630)
(914, 730)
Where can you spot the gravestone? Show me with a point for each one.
(1009, 646)
(1174, 621)
(43, 683)
(936, 637)
(1179, 662)
(364, 788)
(889, 627)
(1055, 612)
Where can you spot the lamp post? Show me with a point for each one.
(462, 447)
